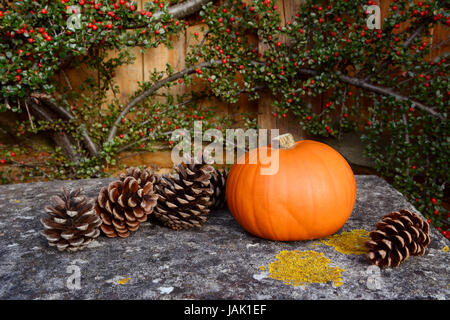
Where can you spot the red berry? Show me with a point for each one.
(2, 161)
(44, 11)
(13, 154)
(433, 200)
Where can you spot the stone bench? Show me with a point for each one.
(218, 261)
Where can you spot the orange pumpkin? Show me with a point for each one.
(311, 196)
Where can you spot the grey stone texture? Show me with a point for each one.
(218, 261)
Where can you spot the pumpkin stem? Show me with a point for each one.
(286, 141)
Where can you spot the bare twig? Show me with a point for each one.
(62, 140)
(8, 107)
(406, 44)
(202, 42)
(387, 92)
(67, 79)
(47, 99)
(141, 97)
(29, 115)
(177, 11)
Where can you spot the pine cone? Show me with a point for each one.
(218, 184)
(72, 223)
(185, 197)
(125, 203)
(398, 236)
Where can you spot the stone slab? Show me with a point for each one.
(218, 261)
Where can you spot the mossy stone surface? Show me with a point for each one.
(218, 261)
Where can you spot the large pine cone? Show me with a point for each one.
(126, 203)
(72, 223)
(218, 184)
(399, 235)
(185, 197)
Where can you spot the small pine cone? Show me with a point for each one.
(72, 223)
(125, 203)
(397, 236)
(218, 184)
(185, 197)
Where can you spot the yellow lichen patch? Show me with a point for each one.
(262, 268)
(349, 242)
(123, 281)
(297, 268)
(445, 249)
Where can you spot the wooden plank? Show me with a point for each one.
(74, 77)
(199, 84)
(191, 42)
(439, 41)
(290, 124)
(287, 10)
(128, 76)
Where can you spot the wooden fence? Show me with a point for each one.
(127, 77)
